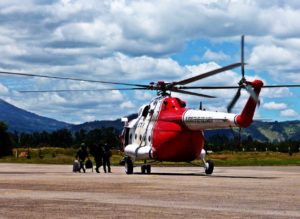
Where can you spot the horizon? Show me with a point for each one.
(118, 118)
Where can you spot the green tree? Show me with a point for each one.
(6, 141)
(61, 138)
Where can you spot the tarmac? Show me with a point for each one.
(53, 191)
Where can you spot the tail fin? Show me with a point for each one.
(246, 117)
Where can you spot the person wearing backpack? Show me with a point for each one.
(82, 154)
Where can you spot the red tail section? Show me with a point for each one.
(246, 117)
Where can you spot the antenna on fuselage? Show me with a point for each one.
(200, 107)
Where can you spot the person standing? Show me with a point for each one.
(97, 153)
(106, 158)
(82, 154)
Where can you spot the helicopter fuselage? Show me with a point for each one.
(165, 130)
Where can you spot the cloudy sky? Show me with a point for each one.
(142, 41)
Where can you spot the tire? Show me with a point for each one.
(210, 168)
(148, 169)
(128, 166)
(143, 169)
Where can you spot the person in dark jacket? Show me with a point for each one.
(106, 158)
(97, 152)
(82, 154)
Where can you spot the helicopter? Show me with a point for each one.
(165, 129)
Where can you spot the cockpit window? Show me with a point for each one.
(181, 103)
(145, 111)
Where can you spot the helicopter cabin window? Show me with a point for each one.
(145, 111)
(181, 103)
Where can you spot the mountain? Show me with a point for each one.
(275, 131)
(117, 124)
(261, 131)
(23, 121)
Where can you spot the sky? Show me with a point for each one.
(143, 41)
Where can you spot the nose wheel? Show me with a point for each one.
(128, 166)
(208, 165)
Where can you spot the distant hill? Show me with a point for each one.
(274, 131)
(117, 124)
(23, 121)
(261, 131)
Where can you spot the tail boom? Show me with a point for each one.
(202, 120)
(245, 119)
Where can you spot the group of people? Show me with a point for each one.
(101, 156)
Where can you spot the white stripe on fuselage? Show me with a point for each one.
(145, 126)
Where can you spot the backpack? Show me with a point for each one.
(76, 166)
(88, 164)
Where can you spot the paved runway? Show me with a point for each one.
(53, 191)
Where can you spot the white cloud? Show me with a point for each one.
(280, 62)
(276, 92)
(127, 105)
(214, 56)
(274, 106)
(270, 56)
(3, 89)
(289, 113)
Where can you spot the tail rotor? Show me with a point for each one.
(243, 83)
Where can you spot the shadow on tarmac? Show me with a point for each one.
(204, 175)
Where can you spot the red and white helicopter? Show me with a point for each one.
(165, 130)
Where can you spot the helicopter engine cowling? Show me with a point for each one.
(202, 120)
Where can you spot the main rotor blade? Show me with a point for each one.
(242, 56)
(281, 85)
(192, 93)
(234, 100)
(86, 90)
(208, 87)
(234, 87)
(207, 74)
(67, 78)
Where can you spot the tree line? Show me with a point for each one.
(223, 143)
(64, 138)
(6, 141)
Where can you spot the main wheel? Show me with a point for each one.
(143, 169)
(148, 169)
(128, 166)
(210, 169)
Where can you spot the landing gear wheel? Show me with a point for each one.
(210, 167)
(143, 169)
(148, 169)
(128, 166)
